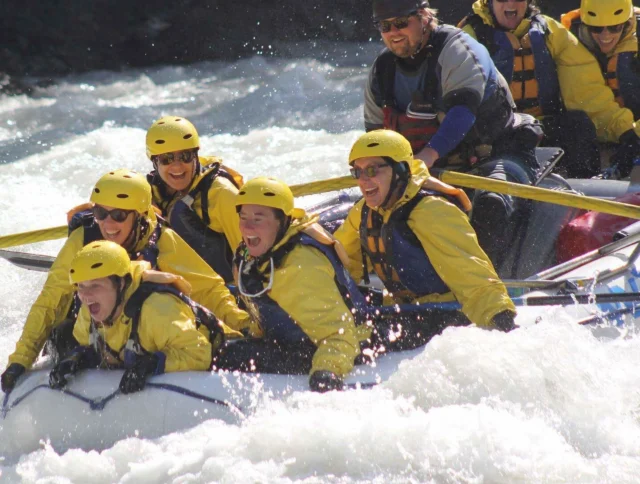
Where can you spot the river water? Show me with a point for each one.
(550, 402)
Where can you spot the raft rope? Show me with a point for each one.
(101, 403)
(453, 178)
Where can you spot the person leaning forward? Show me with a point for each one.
(439, 88)
(194, 193)
(120, 211)
(410, 231)
(292, 280)
(133, 318)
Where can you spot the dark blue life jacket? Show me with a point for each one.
(397, 255)
(278, 326)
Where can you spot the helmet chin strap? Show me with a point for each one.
(420, 44)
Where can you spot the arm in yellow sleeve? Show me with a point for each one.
(304, 287)
(82, 327)
(591, 93)
(167, 324)
(451, 244)
(51, 306)
(208, 288)
(349, 236)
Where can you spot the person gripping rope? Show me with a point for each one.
(132, 318)
(542, 60)
(290, 276)
(194, 193)
(120, 211)
(410, 230)
(438, 87)
(608, 29)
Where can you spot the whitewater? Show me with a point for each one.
(550, 402)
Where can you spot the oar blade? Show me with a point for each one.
(32, 262)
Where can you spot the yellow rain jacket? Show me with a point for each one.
(304, 287)
(167, 324)
(581, 83)
(174, 256)
(451, 245)
(222, 210)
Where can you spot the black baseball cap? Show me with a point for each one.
(383, 9)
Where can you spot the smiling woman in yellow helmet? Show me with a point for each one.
(117, 327)
(410, 231)
(120, 211)
(608, 28)
(291, 278)
(195, 193)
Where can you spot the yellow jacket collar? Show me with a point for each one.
(481, 8)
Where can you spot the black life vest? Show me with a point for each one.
(525, 63)
(396, 253)
(212, 246)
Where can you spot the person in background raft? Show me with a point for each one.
(134, 318)
(439, 88)
(290, 276)
(410, 231)
(120, 211)
(194, 193)
(551, 76)
(608, 28)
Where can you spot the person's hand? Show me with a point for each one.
(505, 321)
(428, 155)
(10, 376)
(135, 378)
(325, 381)
(81, 358)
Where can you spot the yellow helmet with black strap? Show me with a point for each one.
(99, 259)
(123, 189)
(383, 143)
(604, 13)
(268, 192)
(169, 134)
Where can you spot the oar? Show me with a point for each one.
(561, 300)
(34, 262)
(33, 236)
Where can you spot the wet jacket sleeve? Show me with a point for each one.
(373, 115)
(167, 325)
(304, 287)
(451, 244)
(207, 287)
(222, 211)
(591, 94)
(51, 306)
(349, 236)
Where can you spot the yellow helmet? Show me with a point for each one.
(382, 142)
(124, 189)
(99, 259)
(603, 13)
(171, 133)
(268, 192)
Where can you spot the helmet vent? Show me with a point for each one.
(160, 141)
(187, 136)
(96, 265)
(72, 271)
(122, 195)
(178, 120)
(242, 193)
(97, 190)
(126, 176)
(269, 194)
(373, 145)
(592, 14)
(617, 12)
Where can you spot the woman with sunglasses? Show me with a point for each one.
(551, 76)
(292, 280)
(608, 28)
(409, 230)
(194, 193)
(121, 212)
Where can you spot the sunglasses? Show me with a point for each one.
(168, 158)
(371, 171)
(614, 29)
(399, 23)
(117, 214)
